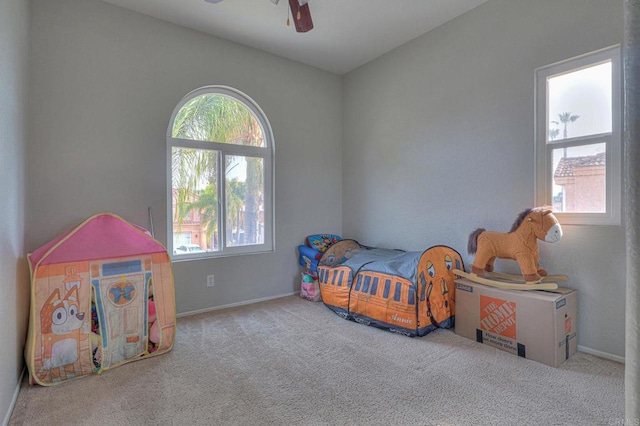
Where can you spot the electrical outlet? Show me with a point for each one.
(210, 281)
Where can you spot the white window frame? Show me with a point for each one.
(226, 149)
(613, 140)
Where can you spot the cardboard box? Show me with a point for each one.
(537, 325)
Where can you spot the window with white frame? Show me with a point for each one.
(578, 138)
(219, 176)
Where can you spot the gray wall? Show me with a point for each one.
(14, 279)
(632, 159)
(438, 140)
(105, 81)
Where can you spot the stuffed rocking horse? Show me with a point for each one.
(519, 244)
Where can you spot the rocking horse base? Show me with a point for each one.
(520, 278)
(517, 282)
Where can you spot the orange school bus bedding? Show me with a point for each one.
(411, 293)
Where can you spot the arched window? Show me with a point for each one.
(219, 175)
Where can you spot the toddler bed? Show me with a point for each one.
(411, 293)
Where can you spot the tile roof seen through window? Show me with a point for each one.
(566, 165)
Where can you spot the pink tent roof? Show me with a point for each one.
(102, 236)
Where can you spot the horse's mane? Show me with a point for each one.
(520, 219)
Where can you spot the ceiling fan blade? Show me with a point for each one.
(301, 16)
(213, 1)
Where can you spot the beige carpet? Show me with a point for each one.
(294, 362)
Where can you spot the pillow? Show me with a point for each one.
(321, 242)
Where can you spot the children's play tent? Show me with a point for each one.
(101, 295)
(411, 293)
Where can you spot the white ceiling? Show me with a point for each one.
(346, 34)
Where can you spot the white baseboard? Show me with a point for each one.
(7, 416)
(601, 354)
(233, 305)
